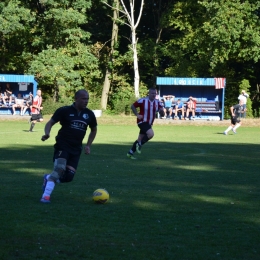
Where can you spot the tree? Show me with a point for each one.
(15, 22)
(106, 85)
(133, 23)
(65, 68)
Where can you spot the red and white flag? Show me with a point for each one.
(219, 83)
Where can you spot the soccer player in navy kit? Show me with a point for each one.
(236, 112)
(74, 121)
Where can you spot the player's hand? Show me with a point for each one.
(87, 149)
(140, 117)
(45, 137)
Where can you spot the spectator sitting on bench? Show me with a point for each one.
(19, 103)
(8, 94)
(168, 105)
(179, 107)
(29, 102)
(2, 96)
(191, 107)
(164, 109)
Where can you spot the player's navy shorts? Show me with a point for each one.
(72, 159)
(144, 127)
(36, 117)
(234, 120)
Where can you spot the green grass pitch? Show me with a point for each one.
(193, 193)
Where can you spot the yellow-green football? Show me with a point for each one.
(100, 196)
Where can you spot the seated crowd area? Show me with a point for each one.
(177, 109)
(19, 102)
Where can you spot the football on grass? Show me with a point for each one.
(100, 196)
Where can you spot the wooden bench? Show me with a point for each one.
(208, 107)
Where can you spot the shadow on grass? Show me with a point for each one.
(175, 195)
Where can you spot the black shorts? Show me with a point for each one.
(144, 127)
(35, 117)
(72, 159)
(234, 120)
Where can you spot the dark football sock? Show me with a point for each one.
(134, 146)
(32, 126)
(144, 140)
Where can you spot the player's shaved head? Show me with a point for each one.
(81, 99)
(80, 92)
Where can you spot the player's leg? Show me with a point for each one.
(147, 132)
(233, 122)
(40, 118)
(60, 158)
(133, 148)
(71, 167)
(33, 121)
(236, 126)
(51, 179)
(131, 152)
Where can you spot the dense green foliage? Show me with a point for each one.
(66, 45)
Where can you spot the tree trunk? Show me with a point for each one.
(133, 25)
(106, 85)
(136, 70)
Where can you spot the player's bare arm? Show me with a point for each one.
(232, 111)
(47, 129)
(136, 113)
(91, 137)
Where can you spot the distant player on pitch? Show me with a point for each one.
(148, 107)
(236, 112)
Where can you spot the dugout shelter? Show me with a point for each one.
(209, 92)
(23, 84)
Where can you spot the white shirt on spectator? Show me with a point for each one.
(243, 96)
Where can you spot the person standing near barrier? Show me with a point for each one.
(36, 110)
(236, 113)
(243, 96)
(29, 102)
(74, 121)
(145, 117)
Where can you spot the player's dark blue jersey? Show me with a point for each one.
(238, 109)
(73, 127)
